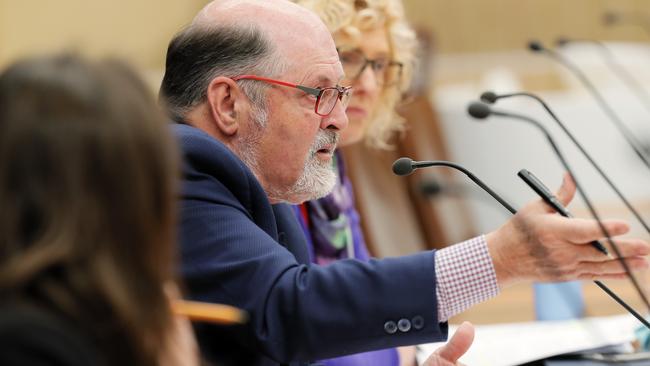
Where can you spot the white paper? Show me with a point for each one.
(516, 343)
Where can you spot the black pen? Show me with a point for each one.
(548, 197)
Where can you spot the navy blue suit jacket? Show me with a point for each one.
(239, 249)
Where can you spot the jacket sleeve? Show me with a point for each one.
(300, 312)
(297, 312)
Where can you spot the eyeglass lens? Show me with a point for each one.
(328, 100)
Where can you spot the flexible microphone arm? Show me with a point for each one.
(600, 100)
(491, 98)
(474, 107)
(616, 68)
(405, 166)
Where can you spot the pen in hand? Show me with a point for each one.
(552, 201)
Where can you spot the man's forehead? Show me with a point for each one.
(324, 73)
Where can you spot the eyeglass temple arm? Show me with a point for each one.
(262, 78)
(313, 91)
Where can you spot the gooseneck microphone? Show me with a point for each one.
(491, 97)
(607, 55)
(481, 111)
(536, 46)
(405, 166)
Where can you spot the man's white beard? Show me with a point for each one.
(317, 179)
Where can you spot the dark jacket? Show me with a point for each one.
(238, 249)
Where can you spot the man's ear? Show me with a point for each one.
(223, 94)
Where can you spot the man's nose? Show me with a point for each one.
(338, 119)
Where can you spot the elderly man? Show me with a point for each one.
(254, 88)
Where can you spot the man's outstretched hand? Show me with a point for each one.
(539, 245)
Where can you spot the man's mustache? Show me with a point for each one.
(325, 138)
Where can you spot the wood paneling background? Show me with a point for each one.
(460, 26)
(136, 30)
(140, 30)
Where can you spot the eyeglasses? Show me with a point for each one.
(387, 72)
(326, 98)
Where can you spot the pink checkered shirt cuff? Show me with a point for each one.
(464, 277)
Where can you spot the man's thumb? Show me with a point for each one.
(458, 344)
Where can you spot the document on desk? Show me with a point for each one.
(516, 343)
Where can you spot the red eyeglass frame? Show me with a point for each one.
(317, 92)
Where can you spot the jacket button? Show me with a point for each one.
(418, 322)
(390, 327)
(404, 325)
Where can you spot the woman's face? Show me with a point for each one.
(368, 84)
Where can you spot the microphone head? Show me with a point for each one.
(562, 41)
(479, 110)
(403, 166)
(489, 97)
(536, 46)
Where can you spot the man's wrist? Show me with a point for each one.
(464, 276)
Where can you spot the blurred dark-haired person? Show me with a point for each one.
(87, 178)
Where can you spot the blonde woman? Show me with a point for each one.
(376, 48)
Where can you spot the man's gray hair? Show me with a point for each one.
(199, 53)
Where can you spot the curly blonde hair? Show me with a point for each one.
(351, 18)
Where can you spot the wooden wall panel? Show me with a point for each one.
(136, 30)
(460, 26)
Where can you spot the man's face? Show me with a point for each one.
(294, 153)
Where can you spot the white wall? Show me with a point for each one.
(497, 148)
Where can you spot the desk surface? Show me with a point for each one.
(518, 343)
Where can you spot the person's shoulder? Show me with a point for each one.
(193, 140)
(204, 154)
(31, 336)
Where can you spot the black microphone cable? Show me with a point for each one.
(536, 46)
(491, 98)
(405, 166)
(630, 82)
(481, 111)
